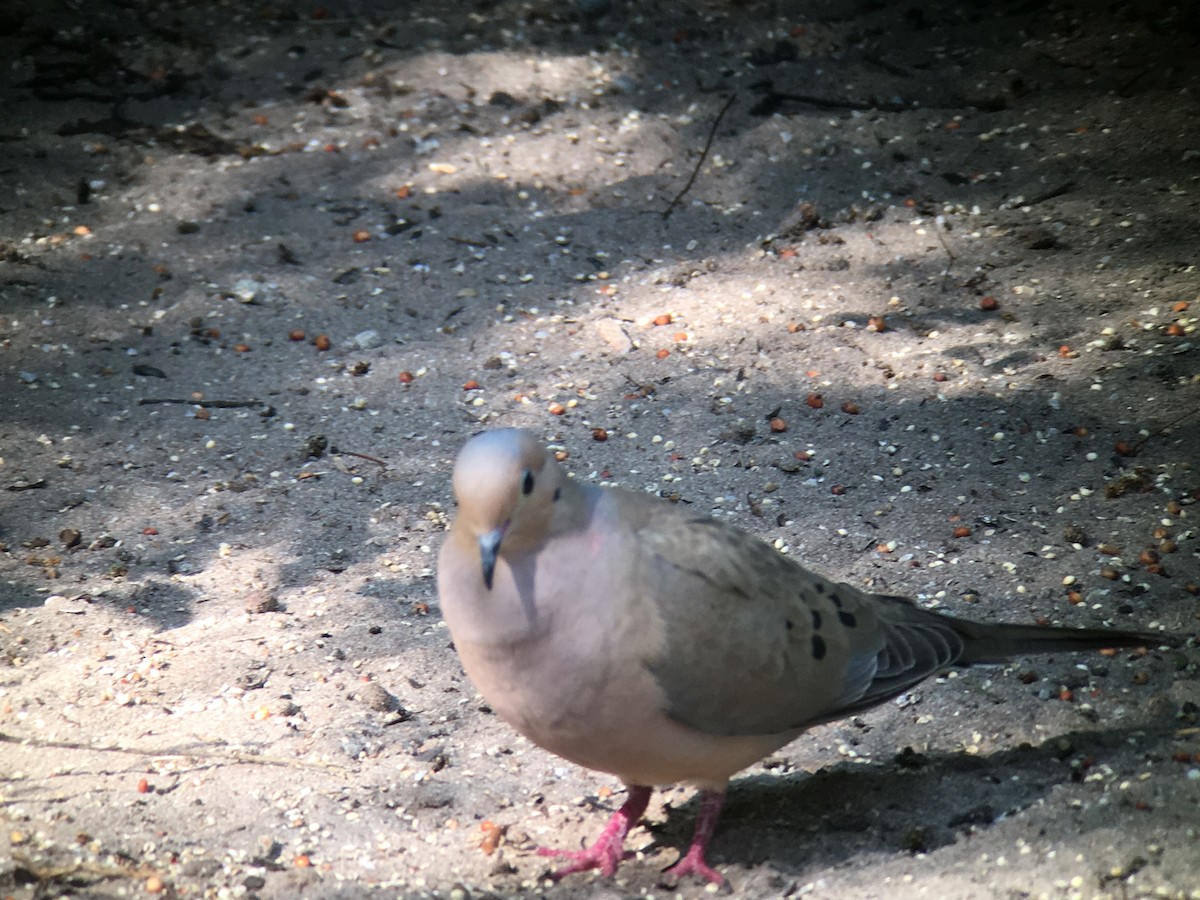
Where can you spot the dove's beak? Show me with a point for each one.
(489, 550)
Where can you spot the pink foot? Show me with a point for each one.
(692, 862)
(609, 849)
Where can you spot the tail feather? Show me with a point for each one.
(992, 643)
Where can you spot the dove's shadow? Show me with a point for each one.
(911, 803)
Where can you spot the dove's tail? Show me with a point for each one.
(980, 643)
(992, 643)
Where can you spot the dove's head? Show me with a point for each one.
(505, 484)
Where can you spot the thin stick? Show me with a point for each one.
(703, 156)
(214, 404)
(374, 459)
(175, 753)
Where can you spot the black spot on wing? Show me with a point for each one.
(847, 619)
(818, 647)
(816, 620)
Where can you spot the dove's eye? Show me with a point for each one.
(527, 484)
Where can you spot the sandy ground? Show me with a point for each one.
(926, 318)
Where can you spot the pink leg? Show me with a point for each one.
(609, 849)
(692, 862)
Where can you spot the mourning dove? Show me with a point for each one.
(633, 636)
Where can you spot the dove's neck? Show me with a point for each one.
(540, 575)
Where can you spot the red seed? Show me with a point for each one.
(322, 342)
(778, 425)
(989, 303)
(837, 490)
(295, 335)
(406, 377)
(556, 409)
(850, 408)
(663, 354)
(143, 786)
(599, 435)
(150, 531)
(816, 401)
(663, 319)
(962, 531)
(472, 385)
(1175, 330)
(362, 236)
(940, 376)
(1124, 448)
(803, 455)
(794, 327)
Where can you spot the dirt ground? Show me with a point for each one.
(926, 318)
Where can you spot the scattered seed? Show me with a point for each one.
(1179, 306)
(406, 377)
(803, 455)
(296, 334)
(600, 435)
(778, 425)
(362, 236)
(940, 376)
(876, 324)
(1175, 330)
(838, 490)
(680, 337)
(989, 303)
(1124, 448)
(1074, 598)
(816, 401)
(322, 342)
(1141, 678)
(143, 786)
(241, 348)
(1148, 557)
(302, 861)
(472, 385)
(556, 409)
(1174, 508)
(850, 408)
(154, 885)
(962, 531)
(202, 414)
(491, 836)
(795, 327)
(664, 319)
(1110, 573)
(663, 354)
